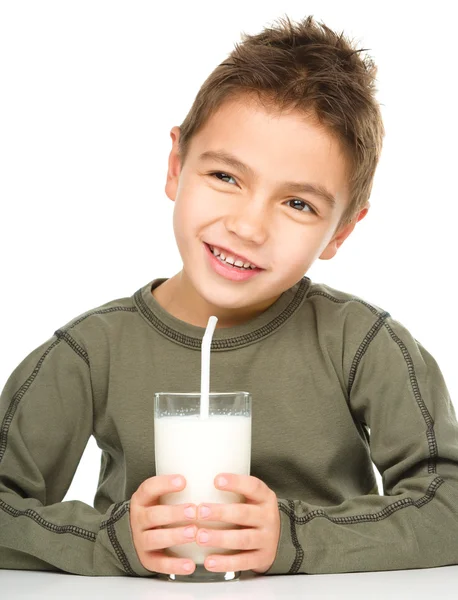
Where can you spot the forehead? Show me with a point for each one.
(245, 118)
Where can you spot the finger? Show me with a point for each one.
(161, 563)
(159, 539)
(163, 514)
(151, 489)
(247, 515)
(242, 561)
(232, 539)
(252, 488)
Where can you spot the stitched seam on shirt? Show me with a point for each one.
(362, 518)
(297, 545)
(363, 347)
(430, 435)
(115, 515)
(373, 310)
(31, 514)
(102, 311)
(109, 524)
(195, 343)
(61, 334)
(373, 517)
(8, 418)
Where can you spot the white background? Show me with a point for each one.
(89, 93)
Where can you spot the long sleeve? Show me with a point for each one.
(46, 419)
(394, 388)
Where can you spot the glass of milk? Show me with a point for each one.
(197, 447)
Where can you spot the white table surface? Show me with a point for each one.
(441, 583)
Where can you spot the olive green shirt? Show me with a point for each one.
(337, 385)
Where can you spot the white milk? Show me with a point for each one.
(199, 449)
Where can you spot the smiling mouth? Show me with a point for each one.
(231, 259)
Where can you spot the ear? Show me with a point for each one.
(331, 249)
(174, 168)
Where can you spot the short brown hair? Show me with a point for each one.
(307, 67)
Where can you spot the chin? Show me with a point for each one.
(223, 298)
(219, 301)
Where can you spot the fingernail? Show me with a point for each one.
(204, 511)
(190, 532)
(177, 482)
(203, 537)
(222, 481)
(211, 563)
(190, 512)
(187, 566)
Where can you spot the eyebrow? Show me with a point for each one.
(295, 186)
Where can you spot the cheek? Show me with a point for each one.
(190, 215)
(298, 265)
(195, 209)
(183, 213)
(299, 247)
(181, 224)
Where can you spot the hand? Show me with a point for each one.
(147, 517)
(260, 518)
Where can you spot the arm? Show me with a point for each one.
(397, 389)
(45, 422)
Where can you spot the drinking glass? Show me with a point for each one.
(200, 448)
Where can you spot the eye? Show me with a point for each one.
(301, 205)
(217, 173)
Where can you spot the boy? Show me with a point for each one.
(271, 169)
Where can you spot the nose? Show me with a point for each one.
(249, 223)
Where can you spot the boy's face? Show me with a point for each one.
(253, 212)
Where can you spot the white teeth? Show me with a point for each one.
(231, 260)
